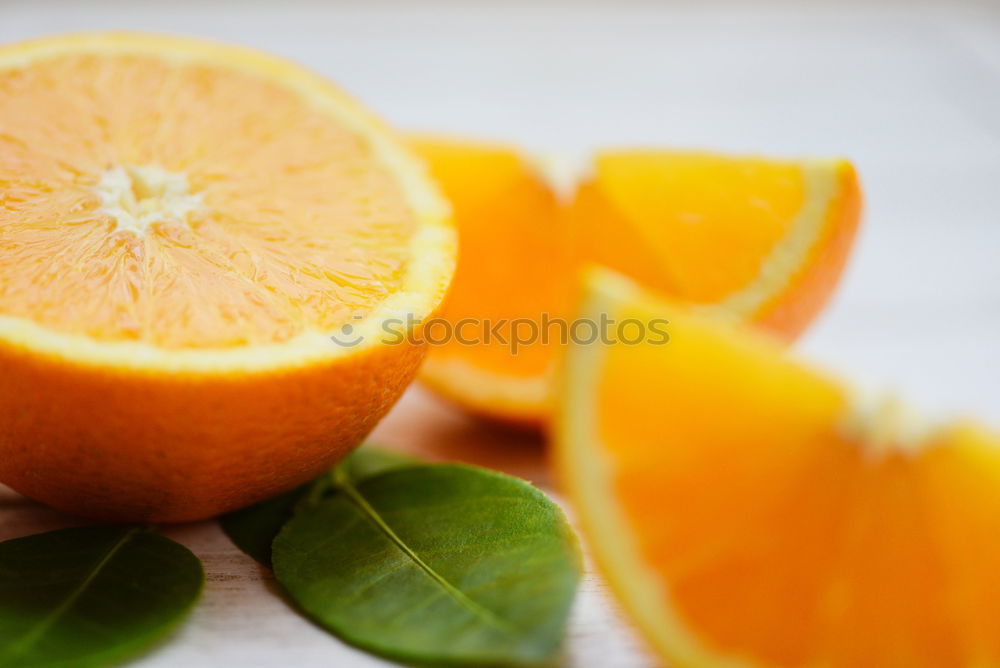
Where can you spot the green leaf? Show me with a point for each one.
(368, 461)
(91, 596)
(253, 529)
(435, 564)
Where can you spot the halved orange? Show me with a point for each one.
(763, 240)
(183, 226)
(750, 511)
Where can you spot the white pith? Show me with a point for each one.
(881, 424)
(138, 196)
(562, 172)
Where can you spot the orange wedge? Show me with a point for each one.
(515, 266)
(763, 240)
(183, 227)
(750, 511)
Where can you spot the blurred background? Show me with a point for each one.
(909, 90)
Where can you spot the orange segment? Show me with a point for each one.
(750, 511)
(183, 226)
(689, 208)
(762, 239)
(513, 268)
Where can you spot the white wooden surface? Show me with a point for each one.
(910, 91)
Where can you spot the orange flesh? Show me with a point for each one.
(764, 239)
(290, 225)
(509, 225)
(777, 536)
(708, 220)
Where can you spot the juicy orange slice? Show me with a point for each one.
(750, 511)
(515, 267)
(183, 226)
(762, 240)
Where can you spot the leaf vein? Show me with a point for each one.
(472, 606)
(21, 646)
